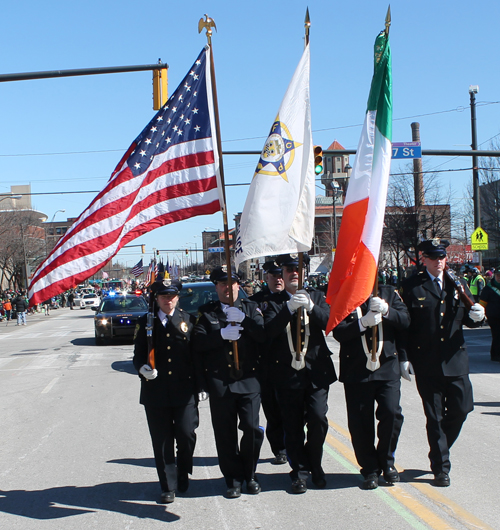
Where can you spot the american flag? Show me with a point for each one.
(138, 269)
(169, 173)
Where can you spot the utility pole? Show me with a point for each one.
(473, 90)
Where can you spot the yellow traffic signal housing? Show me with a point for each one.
(318, 159)
(160, 88)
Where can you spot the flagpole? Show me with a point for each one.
(298, 346)
(375, 285)
(208, 24)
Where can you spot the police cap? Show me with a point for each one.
(291, 260)
(434, 248)
(219, 274)
(166, 287)
(271, 267)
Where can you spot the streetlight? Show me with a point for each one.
(45, 228)
(54, 216)
(15, 197)
(335, 189)
(473, 90)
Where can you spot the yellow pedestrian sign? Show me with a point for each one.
(479, 239)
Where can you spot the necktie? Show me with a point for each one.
(438, 285)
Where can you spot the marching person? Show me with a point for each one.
(367, 381)
(490, 300)
(302, 378)
(221, 333)
(274, 428)
(435, 346)
(169, 390)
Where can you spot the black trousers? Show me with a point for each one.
(231, 412)
(446, 401)
(299, 406)
(360, 400)
(170, 427)
(274, 427)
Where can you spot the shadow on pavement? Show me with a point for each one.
(119, 497)
(124, 366)
(83, 341)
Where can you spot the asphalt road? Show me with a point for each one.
(75, 450)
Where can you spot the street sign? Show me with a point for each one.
(407, 150)
(479, 239)
(216, 249)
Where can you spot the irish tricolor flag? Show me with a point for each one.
(355, 265)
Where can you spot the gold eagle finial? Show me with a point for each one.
(208, 24)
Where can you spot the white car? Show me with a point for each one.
(90, 300)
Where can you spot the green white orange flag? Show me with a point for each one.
(356, 258)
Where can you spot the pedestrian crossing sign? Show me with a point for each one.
(479, 239)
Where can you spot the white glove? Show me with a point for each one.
(406, 369)
(308, 304)
(379, 305)
(371, 319)
(231, 332)
(146, 371)
(233, 314)
(202, 396)
(294, 303)
(476, 313)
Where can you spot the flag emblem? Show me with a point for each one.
(278, 153)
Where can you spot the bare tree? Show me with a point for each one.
(405, 224)
(490, 198)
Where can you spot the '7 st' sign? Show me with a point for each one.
(407, 150)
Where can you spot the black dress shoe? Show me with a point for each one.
(371, 482)
(253, 486)
(442, 480)
(233, 493)
(391, 475)
(167, 497)
(279, 459)
(299, 486)
(319, 480)
(182, 482)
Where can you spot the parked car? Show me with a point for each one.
(90, 300)
(195, 294)
(117, 316)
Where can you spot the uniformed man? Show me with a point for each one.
(302, 377)
(221, 333)
(490, 300)
(374, 379)
(169, 391)
(435, 346)
(274, 428)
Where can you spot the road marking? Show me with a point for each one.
(50, 385)
(416, 509)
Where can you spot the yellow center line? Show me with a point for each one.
(411, 503)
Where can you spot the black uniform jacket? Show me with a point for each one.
(176, 383)
(352, 355)
(262, 295)
(319, 370)
(434, 342)
(215, 356)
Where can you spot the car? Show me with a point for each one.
(90, 300)
(116, 317)
(195, 294)
(78, 301)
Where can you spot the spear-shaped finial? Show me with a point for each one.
(208, 24)
(388, 20)
(307, 25)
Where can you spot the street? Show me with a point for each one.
(76, 452)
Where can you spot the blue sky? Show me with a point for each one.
(68, 134)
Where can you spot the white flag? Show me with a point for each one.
(278, 217)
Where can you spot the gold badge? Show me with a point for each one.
(184, 327)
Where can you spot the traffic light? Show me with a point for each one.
(187, 252)
(157, 252)
(160, 88)
(318, 159)
(143, 249)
